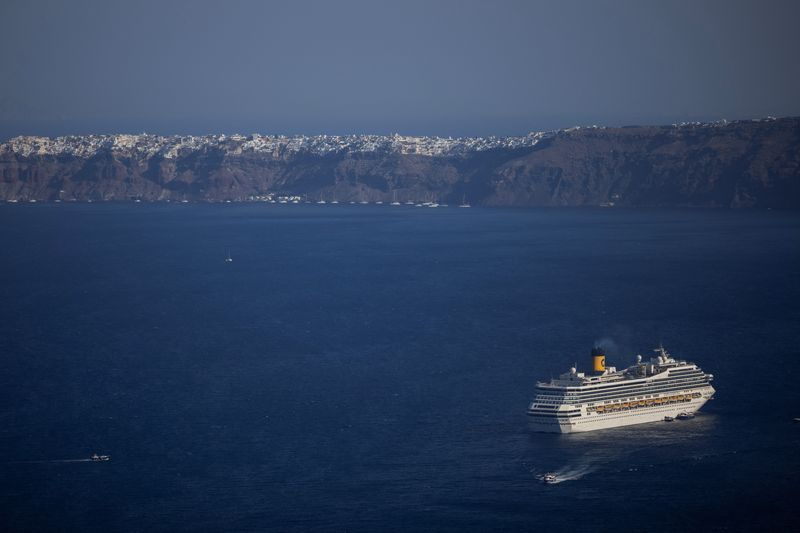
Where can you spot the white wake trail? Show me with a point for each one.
(49, 461)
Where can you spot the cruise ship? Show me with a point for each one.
(607, 397)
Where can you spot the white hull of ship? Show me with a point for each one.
(639, 415)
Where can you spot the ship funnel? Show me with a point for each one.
(598, 360)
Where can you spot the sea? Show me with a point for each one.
(368, 368)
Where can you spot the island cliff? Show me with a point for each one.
(752, 163)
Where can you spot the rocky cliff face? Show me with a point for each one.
(737, 164)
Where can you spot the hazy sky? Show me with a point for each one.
(416, 67)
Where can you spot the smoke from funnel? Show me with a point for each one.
(607, 343)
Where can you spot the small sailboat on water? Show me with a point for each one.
(464, 202)
(229, 259)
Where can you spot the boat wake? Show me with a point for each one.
(572, 474)
(50, 461)
(93, 459)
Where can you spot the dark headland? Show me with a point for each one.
(739, 164)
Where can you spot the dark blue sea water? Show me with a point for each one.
(368, 368)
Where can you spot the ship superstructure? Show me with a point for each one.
(607, 397)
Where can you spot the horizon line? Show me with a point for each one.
(364, 134)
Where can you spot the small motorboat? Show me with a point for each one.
(669, 418)
(96, 457)
(685, 416)
(549, 478)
